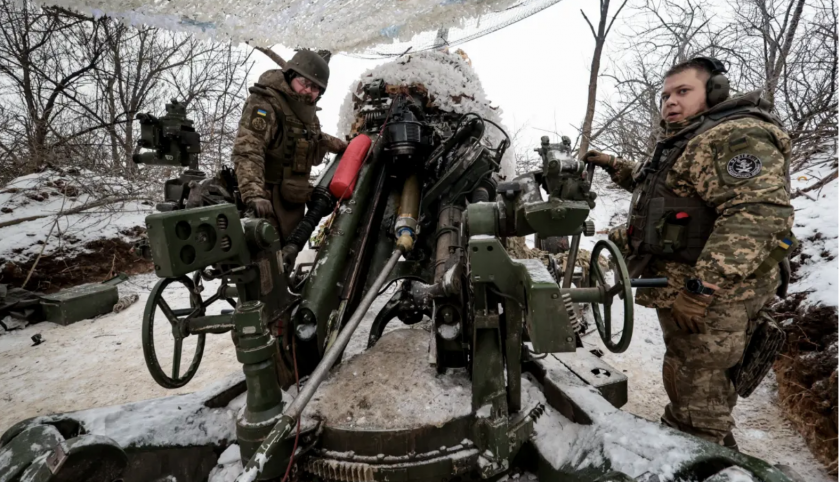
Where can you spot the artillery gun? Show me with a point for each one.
(491, 346)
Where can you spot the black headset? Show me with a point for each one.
(717, 87)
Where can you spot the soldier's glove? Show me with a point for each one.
(289, 254)
(599, 159)
(261, 207)
(689, 311)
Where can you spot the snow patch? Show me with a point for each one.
(50, 193)
(537, 270)
(816, 227)
(182, 420)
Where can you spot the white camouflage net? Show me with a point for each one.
(335, 25)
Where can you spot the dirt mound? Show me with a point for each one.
(807, 374)
(99, 260)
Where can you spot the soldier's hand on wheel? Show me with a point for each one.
(261, 207)
(599, 158)
(689, 311)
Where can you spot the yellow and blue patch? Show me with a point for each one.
(261, 112)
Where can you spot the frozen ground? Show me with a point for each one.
(97, 363)
(93, 363)
(49, 193)
(762, 430)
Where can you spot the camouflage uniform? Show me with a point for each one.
(753, 215)
(278, 142)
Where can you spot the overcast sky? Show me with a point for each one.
(536, 70)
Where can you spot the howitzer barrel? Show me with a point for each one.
(284, 427)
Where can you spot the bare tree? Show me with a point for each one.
(71, 87)
(660, 34)
(600, 38)
(776, 32)
(46, 57)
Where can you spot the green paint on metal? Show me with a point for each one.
(187, 240)
(530, 284)
(255, 349)
(79, 303)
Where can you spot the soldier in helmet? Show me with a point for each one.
(280, 139)
(711, 211)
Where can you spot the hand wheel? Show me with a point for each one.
(621, 287)
(178, 325)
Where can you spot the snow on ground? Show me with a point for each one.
(49, 193)
(95, 363)
(816, 228)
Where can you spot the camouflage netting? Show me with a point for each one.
(354, 26)
(448, 84)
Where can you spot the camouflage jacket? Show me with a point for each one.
(754, 209)
(261, 128)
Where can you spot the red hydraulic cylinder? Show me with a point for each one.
(344, 179)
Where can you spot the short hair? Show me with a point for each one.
(696, 64)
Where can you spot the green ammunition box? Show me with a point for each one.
(79, 303)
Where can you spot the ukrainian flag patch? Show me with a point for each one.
(785, 243)
(261, 112)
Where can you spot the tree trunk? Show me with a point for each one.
(600, 39)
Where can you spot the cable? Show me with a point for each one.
(508, 297)
(412, 277)
(500, 128)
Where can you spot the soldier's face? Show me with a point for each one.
(306, 87)
(683, 95)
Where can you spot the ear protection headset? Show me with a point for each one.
(717, 87)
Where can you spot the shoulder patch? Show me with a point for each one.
(259, 119)
(744, 166)
(258, 124)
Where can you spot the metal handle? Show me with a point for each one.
(649, 283)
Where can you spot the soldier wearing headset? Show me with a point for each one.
(711, 211)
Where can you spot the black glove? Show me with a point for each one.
(261, 207)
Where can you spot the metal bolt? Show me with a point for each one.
(569, 339)
(554, 296)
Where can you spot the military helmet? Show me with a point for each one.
(311, 66)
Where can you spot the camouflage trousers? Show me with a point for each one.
(695, 371)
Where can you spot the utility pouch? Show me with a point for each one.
(672, 231)
(300, 164)
(778, 254)
(763, 345)
(295, 189)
